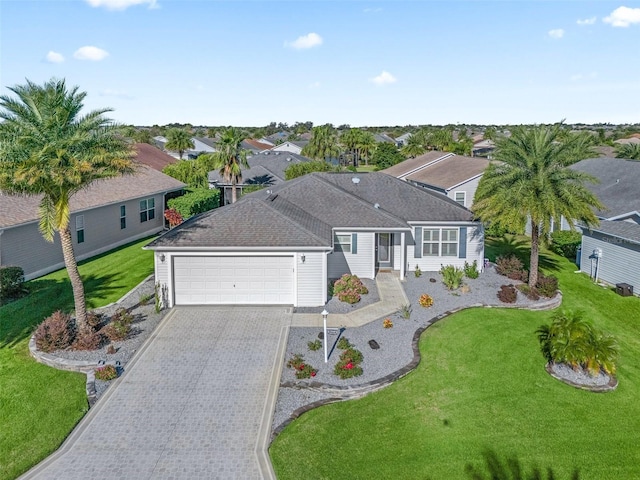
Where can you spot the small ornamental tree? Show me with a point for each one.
(173, 217)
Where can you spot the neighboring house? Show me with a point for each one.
(152, 157)
(383, 138)
(107, 214)
(483, 148)
(200, 145)
(618, 234)
(276, 138)
(291, 146)
(282, 245)
(455, 176)
(254, 146)
(403, 139)
(265, 168)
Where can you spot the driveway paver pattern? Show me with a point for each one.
(196, 402)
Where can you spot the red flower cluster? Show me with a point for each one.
(349, 366)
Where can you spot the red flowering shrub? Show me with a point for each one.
(507, 294)
(349, 364)
(173, 217)
(303, 370)
(54, 333)
(348, 288)
(511, 267)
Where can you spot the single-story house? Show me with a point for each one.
(291, 146)
(613, 247)
(282, 244)
(265, 168)
(455, 176)
(107, 214)
(254, 146)
(152, 156)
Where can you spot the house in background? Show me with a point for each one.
(455, 176)
(152, 157)
(291, 146)
(281, 245)
(200, 145)
(613, 247)
(254, 146)
(107, 214)
(265, 168)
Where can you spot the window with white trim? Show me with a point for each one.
(342, 243)
(147, 209)
(80, 229)
(440, 242)
(123, 217)
(461, 198)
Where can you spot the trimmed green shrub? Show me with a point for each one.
(195, 201)
(299, 169)
(566, 243)
(302, 369)
(451, 276)
(344, 343)
(54, 333)
(349, 364)
(348, 288)
(471, 271)
(119, 327)
(547, 285)
(417, 271)
(530, 293)
(11, 282)
(106, 373)
(315, 345)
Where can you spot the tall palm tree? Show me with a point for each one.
(351, 140)
(415, 145)
(229, 158)
(47, 148)
(531, 180)
(179, 140)
(323, 144)
(367, 146)
(630, 151)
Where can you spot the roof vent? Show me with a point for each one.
(273, 197)
(269, 192)
(277, 153)
(355, 180)
(376, 205)
(266, 153)
(288, 159)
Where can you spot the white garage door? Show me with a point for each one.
(233, 280)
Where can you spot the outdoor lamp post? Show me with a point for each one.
(324, 339)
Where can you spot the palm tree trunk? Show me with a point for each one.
(76, 282)
(234, 194)
(535, 250)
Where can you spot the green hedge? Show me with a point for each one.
(566, 243)
(195, 201)
(11, 282)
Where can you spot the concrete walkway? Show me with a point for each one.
(196, 402)
(392, 297)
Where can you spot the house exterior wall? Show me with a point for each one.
(469, 188)
(620, 262)
(361, 263)
(474, 250)
(288, 147)
(24, 246)
(311, 281)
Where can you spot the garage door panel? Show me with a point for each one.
(233, 280)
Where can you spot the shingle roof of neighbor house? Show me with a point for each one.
(619, 185)
(451, 171)
(16, 210)
(303, 213)
(265, 168)
(152, 156)
(625, 230)
(412, 164)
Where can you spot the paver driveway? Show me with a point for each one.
(196, 402)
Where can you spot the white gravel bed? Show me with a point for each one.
(579, 376)
(336, 306)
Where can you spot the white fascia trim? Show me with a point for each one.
(465, 181)
(445, 224)
(625, 239)
(624, 215)
(417, 169)
(370, 229)
(233, 250)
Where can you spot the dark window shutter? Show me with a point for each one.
(354, 243)
(418, 247)
(462, 243)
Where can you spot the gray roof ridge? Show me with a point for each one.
(362, 201)
(294, 207)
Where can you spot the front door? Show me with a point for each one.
(383, 251)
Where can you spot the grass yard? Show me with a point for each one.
(481, 386)
(366, 168)
(39, 406)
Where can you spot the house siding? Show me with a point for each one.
(620, 262)
(24, 246)
(311, 279)
(361, 264)
(469, 188)
(475, 251)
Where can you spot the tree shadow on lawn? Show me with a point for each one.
(19, 319)
(519, 246)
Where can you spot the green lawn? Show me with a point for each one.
(39, 405)
(366, 168)
(481, 386)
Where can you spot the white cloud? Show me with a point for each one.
(121, 4)
(114, 93)
(54, 57)
(305, 41)
(556, 33)
(623, 17)
(89, 52)
(385, 78)
(586, 21)
(314, 85)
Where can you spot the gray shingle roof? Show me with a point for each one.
(624, 230)
(265, 168)
(451, 171)
(16, 210)
(619, 187)
(304, 211)
(416, 163)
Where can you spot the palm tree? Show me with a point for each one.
(323, 144)
(367, 146)
(415, 145)
(351, 140)
(531, 180)
(179, 140)
(229, 158)
(630, 151)
(47, 148)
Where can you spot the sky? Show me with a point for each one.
(357, 62)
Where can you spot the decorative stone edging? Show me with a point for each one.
(611, 385)
(350, 392)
